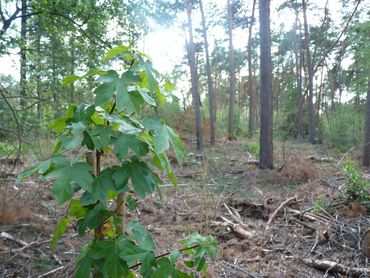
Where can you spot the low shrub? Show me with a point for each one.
(358, 188)
(345, 129)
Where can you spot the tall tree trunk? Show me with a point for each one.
(194, 80)
(366, 154)
(298, 71)
(278, 85)
(230, 127)
(23, 58)
(310, 72)
(72, 68)
(54, 76)
(211, 95)
(251, 89)
(38, 75)
(319, 95)
(266, 144)
(217, 83)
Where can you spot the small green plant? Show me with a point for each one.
(253, 148)
(319, 205)
(98, 197)
(358, 188)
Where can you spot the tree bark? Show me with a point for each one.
(310, 73)
(266, 144)
(251, 89)
(298, 69)
(211, 95)
(54, 76)
(194, 79)
(366, 154)
(72, 68)
(230, 126)
(38, 76)
(23, 57)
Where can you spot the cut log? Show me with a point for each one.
(331, 266)
(365, 244)
(252, 162)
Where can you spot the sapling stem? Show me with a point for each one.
(121, 209)
(98, 230)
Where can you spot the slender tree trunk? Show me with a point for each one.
(194, 79)
(251, 87)
(277, 84)
(217, 94)
(230, 128)
(217, 84)
(54, 77)
(332, 94)
(38, 77)
(266, 143)
(211, 95)
(23, 58)
(72, 69)
(366, 154)
(298, 69)
(310, 72)
(319, 95)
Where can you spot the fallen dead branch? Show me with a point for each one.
(47, 274)
(236, 228)
(325, 265)
(13, 238)
(303, 224)
(240, 269)
(321, 159)
(240, 228)
(310, 216)
(32, 244)
(279, 208)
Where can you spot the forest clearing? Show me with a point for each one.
(222, 194)
(184, 138)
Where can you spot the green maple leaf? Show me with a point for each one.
(165, 269)
(93, 218)
(103, 184)
(143, 179)
(60, 230)
(163, 137)
(147, 98)
(114, 266)
(119, 50)
(126, 99)
(101, 136)
(122, 125)
(105, 91)
(130, 252)
(148, 75)
(141, 236)
(147, 265)
(129, 101)
(124, 142)
(84, 263)
(65, 173)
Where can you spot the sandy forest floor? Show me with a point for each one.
(280, 223)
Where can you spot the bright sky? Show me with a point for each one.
(171, 48)
(167, 46)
